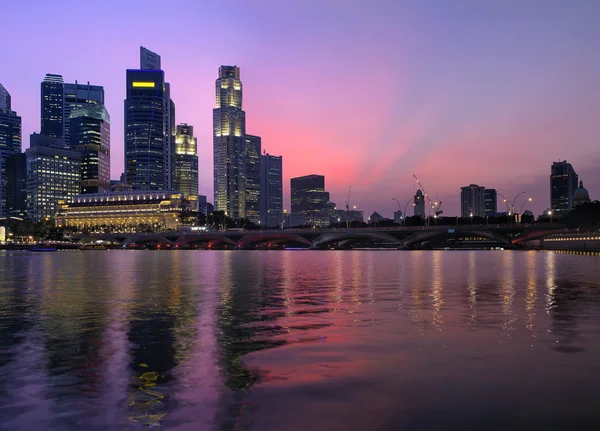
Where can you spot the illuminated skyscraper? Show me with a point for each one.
(90, 135)
(271, 190)
(149, 60)
(186, 161)
(10, 142)
(253, 176)
(77, 96)
(310, 200)
(229, 128)
(472, 201)
(52, 89)
(563, 183)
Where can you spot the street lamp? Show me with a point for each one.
(471, 215)
(523, 204)
(550, 214)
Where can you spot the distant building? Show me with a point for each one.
(53, 175)
(490, 202)
(229, 128)
(472, 201)
(90, 135)
(52, 103)
(563, 183)
(202, 204)
(419, 204)
(271, 190)
(252, 173)
(310, 200)
(149, 60)
(347, 216)
(376, 217)
(581, 195)
(398, 217)
(185, 178)
(77, 96)
(10, 143)
(16, 185)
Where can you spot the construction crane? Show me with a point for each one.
(348, 208)
(437, 205)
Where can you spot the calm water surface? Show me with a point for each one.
(297, 340)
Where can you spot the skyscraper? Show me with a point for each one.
(77, 96)
(53, 174)
(186, 161)
(16, 190)
(472, 201)
(90, 135)
(229, 128)
(252, 172)
(419, 204)
(310, 200)
(490, 198)
(146, 130)
(563, 183)
(10, 142)
(52, 97)
(271, 190)
(149, 60)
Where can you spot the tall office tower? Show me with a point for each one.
(252, 172)
(472, 201)
(53, 174)
(52, 106)
(16, 190)
(146, 133)
(419, 204)
(186, 161)
(271, 190)
(90, 135)
(310, 200)
(490, 199)
(77, 96)
(229, 128)
(10, 142)
(563, 183)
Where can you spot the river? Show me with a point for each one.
(296, 340)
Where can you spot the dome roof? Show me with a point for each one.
(581, 192)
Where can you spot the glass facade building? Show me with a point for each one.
(229, 128)
(271, 190)
(186, 161)
(563, 183)
(16, 190)
(90, 135)
(53, 175)
(146, 130)
(472, 201)
(490, 198)
(75, 97)
(52, 98)
(10, 143)
(252, 145)
(310, 200)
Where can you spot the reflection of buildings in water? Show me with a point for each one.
(472, 285)
(550, 280)
(416, 271)
(508, 293)
(161, 332)
(437, 296)
(531, 294)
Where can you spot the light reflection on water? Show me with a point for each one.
(293, 340)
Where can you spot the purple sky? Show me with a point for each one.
(366, 93)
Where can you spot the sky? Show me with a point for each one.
(367, 93)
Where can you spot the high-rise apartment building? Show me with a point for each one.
(52, 104)
(252, 149)
(90, 135)
(271, 190)
(490, 202)
(472, 201)
(563, 183)
(310, 200)
(10, 143)
(53, 174)
(77, 96)
(419, 204)
(229, 128)
(186, 161)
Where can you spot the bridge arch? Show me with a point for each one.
(143, 241)
(208, 241)
(348, 237)
(270, 239)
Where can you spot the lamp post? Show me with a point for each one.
(471, 215)
(505, 201)
(523, 204)
(515, 201)
(550, 214)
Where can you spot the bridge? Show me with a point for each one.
(415, 237)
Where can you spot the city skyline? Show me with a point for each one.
(525, 111)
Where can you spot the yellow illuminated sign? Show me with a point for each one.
(143, 84)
